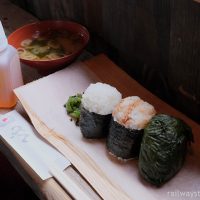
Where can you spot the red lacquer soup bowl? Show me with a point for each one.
(28, 31)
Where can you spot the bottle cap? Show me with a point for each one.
(3, 38)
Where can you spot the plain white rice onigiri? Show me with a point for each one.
(100, 98)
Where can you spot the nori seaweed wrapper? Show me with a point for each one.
(163, 148)
(94, 125)
(123, 142)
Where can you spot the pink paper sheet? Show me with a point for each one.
(46, 98)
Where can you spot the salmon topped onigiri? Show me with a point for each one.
(98, 102)
(129, 118)
(133, 113)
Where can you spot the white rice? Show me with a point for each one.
(101, 98)
(133, 113)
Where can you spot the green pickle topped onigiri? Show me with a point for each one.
(97, 104)
(129, 118)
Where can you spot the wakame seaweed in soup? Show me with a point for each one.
(163, 148)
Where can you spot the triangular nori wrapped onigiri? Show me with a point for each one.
(163, 148)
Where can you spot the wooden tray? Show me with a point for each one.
(43, 100)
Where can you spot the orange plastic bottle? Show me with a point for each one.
(10, 72)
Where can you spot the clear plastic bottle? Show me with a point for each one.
(10, 72)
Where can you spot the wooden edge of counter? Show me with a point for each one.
(130, 87)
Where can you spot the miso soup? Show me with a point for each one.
(50, 45)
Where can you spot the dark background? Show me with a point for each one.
(156, 41)
(12, 187)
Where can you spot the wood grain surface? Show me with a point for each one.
(156, 42)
